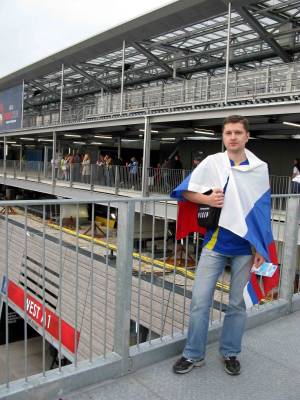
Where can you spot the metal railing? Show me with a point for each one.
(158, 180)
(262, 85)
(109, 288)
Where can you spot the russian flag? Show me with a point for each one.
(246, 211)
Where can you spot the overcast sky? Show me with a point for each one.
(33, 29)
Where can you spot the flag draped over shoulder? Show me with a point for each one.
(246, 211)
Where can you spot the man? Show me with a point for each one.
(224, 174)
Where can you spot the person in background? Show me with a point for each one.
(296, 177)
(133, 172)
(86, 168)
(100, 170)
(197, 159)
(296, 168)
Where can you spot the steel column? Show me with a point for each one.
(122, 77)
(4, 156)
(54, 155)
(123, 281)
(45, 160)
(290, 250)
(227, 53)
(61, 93)
(146, 157)
(22, 110)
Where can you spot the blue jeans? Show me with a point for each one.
(211, 265)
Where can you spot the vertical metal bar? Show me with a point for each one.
(146, 157)
(106, 280)
(290, 249)
(60, 288)
(122, 77)
(7, 365)
(185, 281)
(152, 273)
(139, 276)
(22, 109)
(173, 284)
(20, 158)
(123, 280)
(25, 295)
(76, 283)
(54, 155)
(162, 321)
(4, 156)
(92, 283)
(227, 53)
(44, 291)
(45, 160)
(61, 93)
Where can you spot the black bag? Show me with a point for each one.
(208, 217)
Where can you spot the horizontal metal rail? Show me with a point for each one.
(262, 85)
(96, 292)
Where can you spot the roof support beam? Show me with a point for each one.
(152, 57)
(90, 78)
(263, 33)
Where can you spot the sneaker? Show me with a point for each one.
(232, 365)
(184, 365)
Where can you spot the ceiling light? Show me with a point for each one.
(152, 131)
(201, 138)
(71, 135)
(103, 137)
(273, 136)
(96, 143)
(27, 138)
(16, 145)
(204, 132)
(45, 140)
(131, 140)
(296, 136)
(291, 124)
(78, 142)
(168, 138)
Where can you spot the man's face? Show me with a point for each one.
(235, 137)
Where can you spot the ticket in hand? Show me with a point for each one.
(265, 269)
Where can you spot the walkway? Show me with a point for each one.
(271, 370)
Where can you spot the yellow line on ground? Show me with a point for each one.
(148, 260)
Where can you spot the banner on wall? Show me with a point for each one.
(11, 103)
(35, 315)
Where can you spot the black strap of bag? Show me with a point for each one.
(208, 217)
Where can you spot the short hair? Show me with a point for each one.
(233, 119)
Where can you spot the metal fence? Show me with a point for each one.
(108, 288)
(262, 85)
(158, 180)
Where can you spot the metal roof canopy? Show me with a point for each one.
(188, 36)
(161, 21)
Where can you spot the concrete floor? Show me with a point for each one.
(16, 367)
(270, 371)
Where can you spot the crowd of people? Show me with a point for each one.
(78, 167)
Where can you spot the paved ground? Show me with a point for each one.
(270, 371)
(17, 360)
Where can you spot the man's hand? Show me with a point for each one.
(258, 260)
(216, 198)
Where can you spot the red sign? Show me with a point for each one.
(34, 310)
